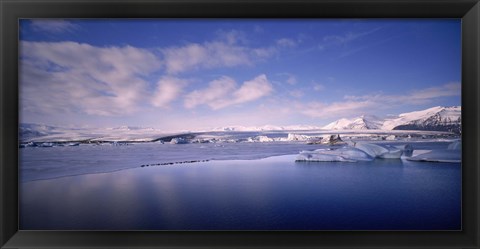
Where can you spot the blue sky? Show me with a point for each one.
(195, 74)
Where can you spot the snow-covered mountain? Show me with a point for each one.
(130, 128)
(432, 119)
(28, 130)
(435, 119)
(43, 133)
(364, 122)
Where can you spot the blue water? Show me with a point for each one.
(274, 193)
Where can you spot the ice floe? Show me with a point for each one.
(297, 137)
(178, 140)
(261, 139)
(344, 154)
(452, 154)
(379, 151)
(362, 151)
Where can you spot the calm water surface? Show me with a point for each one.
(274, 193)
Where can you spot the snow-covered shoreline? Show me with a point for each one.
(139, 136)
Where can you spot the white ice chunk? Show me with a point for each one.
(358, 152)
(390, 138)
(178, 140)
(372, 150)
(393, 153)
(381, 151)
(264, 139)
(333, 140)
(345, 154)
(260, 139)
(297, 137)
(450, 155)
(46, 145)
(447, 156)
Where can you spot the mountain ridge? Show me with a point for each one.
(446, 119)
(436, 118)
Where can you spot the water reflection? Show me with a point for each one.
(272, 193)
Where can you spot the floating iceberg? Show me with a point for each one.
(452, 154)
(441, 156)
(297, 137)
(46, 145)
(379, 151)
(29, 144)
(345, 154)
(355, 152)
(390, 138)
(261, 139)
(178, 140)
(333, 140)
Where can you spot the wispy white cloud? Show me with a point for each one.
(318, 87)
(346, 108)
(286, 42)
(345, 40)
(230, 49)
(223, 92)
(53, 25)
(216, 91)
(258, 29)
(290, 79)
(367, 46)
(348, 37)
(232, 36)
(168, 90)
(447, 90)
(420, 96)
(297, 93)
(80, 78)
(208, 55)
(264, 53)
(253, 89)
(353, 105)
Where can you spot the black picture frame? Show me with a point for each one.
(12, 10)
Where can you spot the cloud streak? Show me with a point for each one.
(286, 42)
(205, 56)
(214, 54)
(228, 50)
(348, 37)
(353, 105)
(224, 92)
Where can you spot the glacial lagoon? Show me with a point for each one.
(254, 186)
